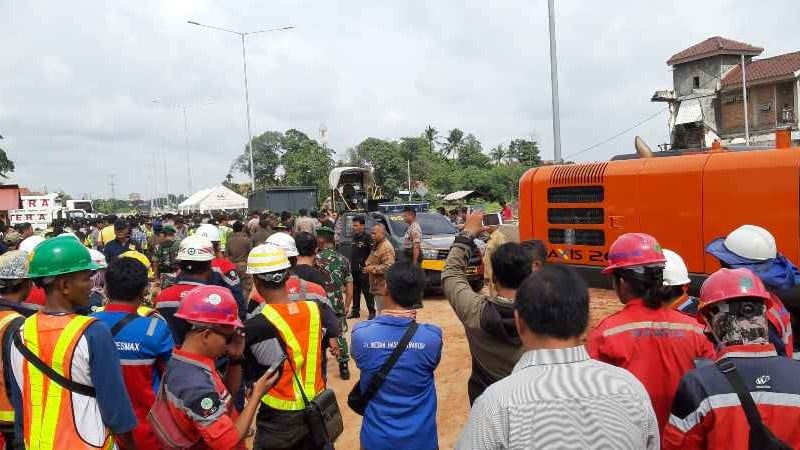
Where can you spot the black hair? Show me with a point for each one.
(511, 264)
(314, 214)
(286, 215)
(12, 286)
(237, 227)
(554, 301)
(306, 243)
(536, 247)
(410, 209)
(645, 283)
(126, 278)
(441, 210)
(303, 212)
(668, 293)
(359, 219)
(269, 284)
(405, 283)
(194, 267)
(120, 225)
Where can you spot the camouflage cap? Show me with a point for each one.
(13, 265)
(168, 229)
(325, 230)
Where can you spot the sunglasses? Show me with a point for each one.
(228, 336)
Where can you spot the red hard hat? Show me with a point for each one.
(634, 250)
(213, 305)
(729, 284)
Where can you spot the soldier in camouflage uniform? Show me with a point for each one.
(165, 256)
(340, 291)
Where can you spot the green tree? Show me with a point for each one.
(430, 134)
(266, 158)
(525, 152)
(453, 144)
(386, 160)
(6, 165)
(498, 154)
(305, 161)
(471, 153)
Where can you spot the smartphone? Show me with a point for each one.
(492, 219)
(278, 364)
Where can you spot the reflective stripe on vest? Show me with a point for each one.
(46, 405)
(143, 311)
(309, 378)
(305, 295)
(6, 409)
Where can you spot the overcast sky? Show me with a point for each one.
(79, 78)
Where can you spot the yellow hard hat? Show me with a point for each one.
(267, 258)
(141, 258)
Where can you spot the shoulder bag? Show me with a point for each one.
(322, 414)
(761, 438)
(358, 401)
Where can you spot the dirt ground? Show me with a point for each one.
(451, 376)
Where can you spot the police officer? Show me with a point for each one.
(707, 412)
(337, 267)
(647, 337)
(84, 401)
(200, 399)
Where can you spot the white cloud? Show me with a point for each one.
(79, 77)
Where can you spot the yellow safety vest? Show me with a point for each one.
(305, 357)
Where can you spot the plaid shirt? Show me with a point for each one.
(139, 238)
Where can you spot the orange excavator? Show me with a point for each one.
(683, 198)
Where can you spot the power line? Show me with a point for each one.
(113, 184)
(651, 116)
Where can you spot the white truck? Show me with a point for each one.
(40, 210)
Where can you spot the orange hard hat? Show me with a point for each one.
(634, 250)
(212, 305)
(729, 284)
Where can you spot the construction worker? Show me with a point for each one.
(195, 254)
(753, 247)
(647, 337)
(165, 255)
(67, 386)
(221, 265)
(14, 288)
(197, 398)
(708, 412)
(337, 268)
(142, 338)
(676, 285)
(283, 329)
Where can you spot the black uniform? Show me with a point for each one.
(362, 246)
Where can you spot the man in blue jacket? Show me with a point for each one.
(402, 414)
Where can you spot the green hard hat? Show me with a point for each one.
(58, 256)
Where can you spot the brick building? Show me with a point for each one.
(707, 101)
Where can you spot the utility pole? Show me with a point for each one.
(744, 100)
(186, 143)
(554, 82)
(113, 185)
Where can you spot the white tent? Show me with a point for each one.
(211, 199)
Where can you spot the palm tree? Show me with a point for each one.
(498, 154)
(454, 140)
(430, 135)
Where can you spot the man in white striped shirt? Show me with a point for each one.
(557, 397)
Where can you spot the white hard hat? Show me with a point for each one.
(195, 248)
(267, 258)
(30, 243)
(284, 241)
(675, 271)
(208, 231)
(98, 258)
(752, 242)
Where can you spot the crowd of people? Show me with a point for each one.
(214, 331)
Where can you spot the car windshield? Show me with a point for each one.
(429, 223)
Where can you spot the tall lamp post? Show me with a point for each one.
(242, 35)
(185, 134)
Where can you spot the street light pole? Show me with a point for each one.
(242, 35)
(554, 82)
(186, 144)
(247, 108)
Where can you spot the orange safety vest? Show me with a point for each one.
(299, 326)
(49, 420)
(6, 409)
